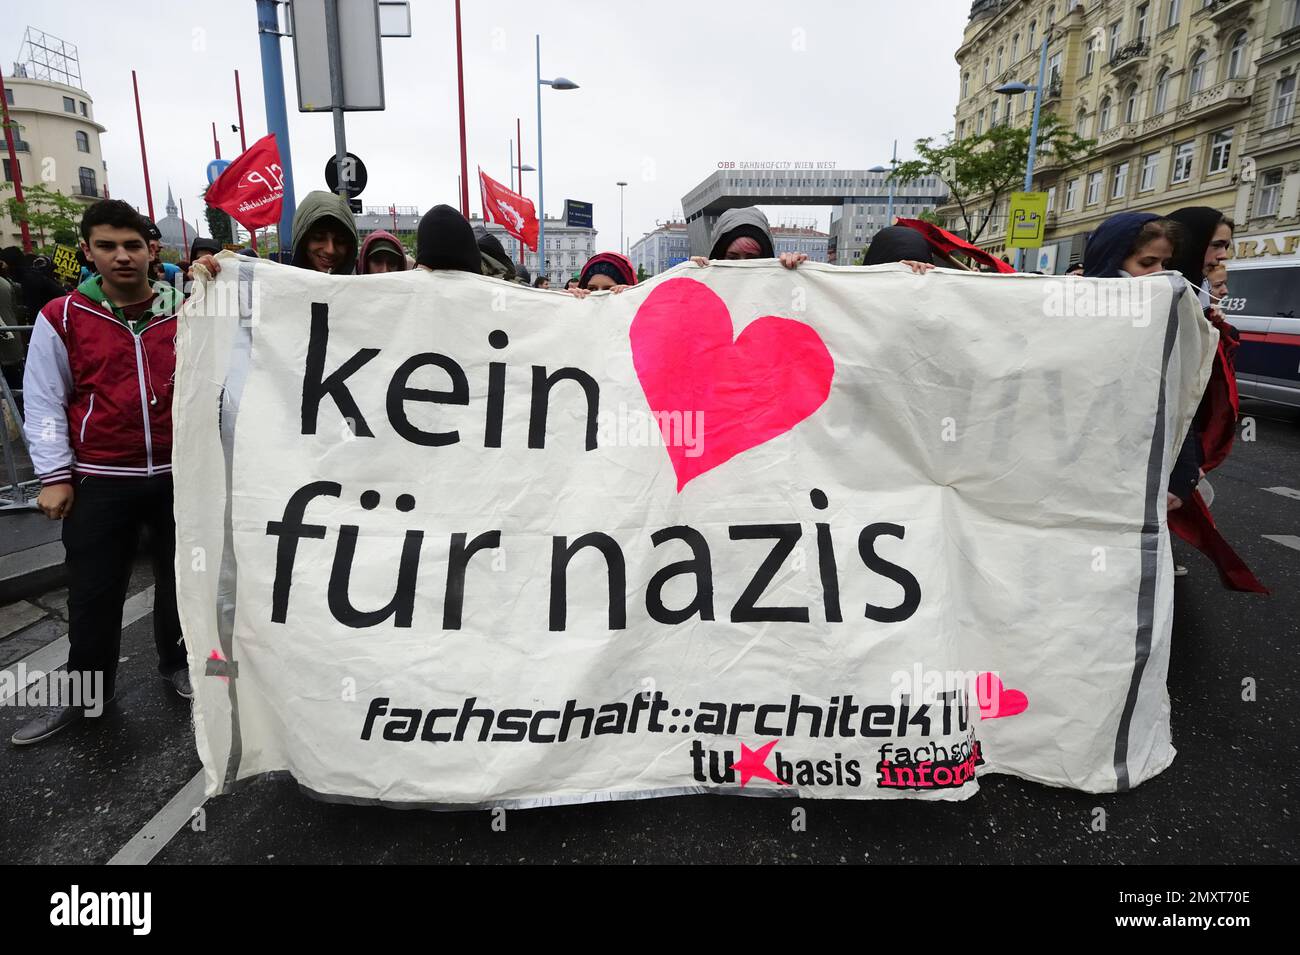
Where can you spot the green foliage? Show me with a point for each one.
(981, 170)
(641, 273)
(52, 216)
(218, 223)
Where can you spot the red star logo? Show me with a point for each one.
(753, 762)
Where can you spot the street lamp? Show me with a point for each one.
(889, 213)
(1015, 89)
(559, 83)
(519, 246)
(621, 243)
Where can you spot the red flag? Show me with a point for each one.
(251, 189)
(509, 210)
(948, 243)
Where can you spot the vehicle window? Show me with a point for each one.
(1266, 293)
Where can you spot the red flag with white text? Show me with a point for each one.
(509, 210)
(251, 189)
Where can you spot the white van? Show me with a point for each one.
(1263, 303)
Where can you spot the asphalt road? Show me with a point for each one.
(1226, 799)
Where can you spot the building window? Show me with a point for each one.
(84, 110)
(1051, 14)
(1088, 57)
(1081, 125)
(9, 97)
(1033, 33)
(1131, 104)
(965, 85)
(1150, 167)
(1119, 181)
(1054, 69)
(979, 122)
(1161, 95)
(68, 105)
(1071, 193)
(1220, 150)
(1140, 21)
(986, 69)
(998, 71)
(1104, 116)
(1198, 75)
(87, 176)
(1237, 55)
(993, 114)
(1172, 19)
(1182, 170)
(1270, 192)
(1015, 48)
(1094, 189)
(9, 173)
(83, 142)
(1051, 198)
(1112, 46)
(1284, 97)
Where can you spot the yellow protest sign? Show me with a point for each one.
(66, 266)
(1027, 218)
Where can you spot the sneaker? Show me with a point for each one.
(55, 720)
(1180, 570)
(180, 681)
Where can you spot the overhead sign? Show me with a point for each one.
(355, 176)
(1027, 215)
(699, 553)
(360, 56)
(577, 214)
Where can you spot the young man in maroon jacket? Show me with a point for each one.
(98, 394)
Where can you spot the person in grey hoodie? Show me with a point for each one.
(745, 234)
(324, 236)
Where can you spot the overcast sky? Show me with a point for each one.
(668, 89)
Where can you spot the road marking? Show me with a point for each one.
(1285, 492)
(55, 653)
(1286, 540)
(158, 831)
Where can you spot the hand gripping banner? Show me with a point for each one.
(828, 532)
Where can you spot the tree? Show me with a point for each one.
(218, 223)
(641, 273)
(981, 170)
(47, 212)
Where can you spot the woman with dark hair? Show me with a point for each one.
(1131, 244)
(1207, 240)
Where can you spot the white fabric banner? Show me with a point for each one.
(829, 532)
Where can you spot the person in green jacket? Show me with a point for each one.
(324, 236)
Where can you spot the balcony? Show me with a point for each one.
(1220, 10)
(1128, 56)
(1116, 137)
(1221, 96)
(1053, 88)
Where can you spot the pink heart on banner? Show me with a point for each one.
(738, 393)
(996, 700)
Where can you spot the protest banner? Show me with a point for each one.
(66, 266)
(853, 533)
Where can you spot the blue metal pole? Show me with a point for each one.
(1033, 127)
(277, 119)
(541, 196)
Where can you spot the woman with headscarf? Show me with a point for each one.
(1131, 244)
(1207, 239)
(605, 271)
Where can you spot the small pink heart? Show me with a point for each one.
(996, 700)
(738, 393)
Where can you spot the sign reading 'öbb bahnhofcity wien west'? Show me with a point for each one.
(823, 532)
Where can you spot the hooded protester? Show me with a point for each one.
(324, 234)
(742, 234)
(605, 271)
(1208, 236)
(445, 240)
(37, 288)
(202, 246)
(495, 261)
(1131, 244)
(897, 243)
(381, 252)
(523, 276)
